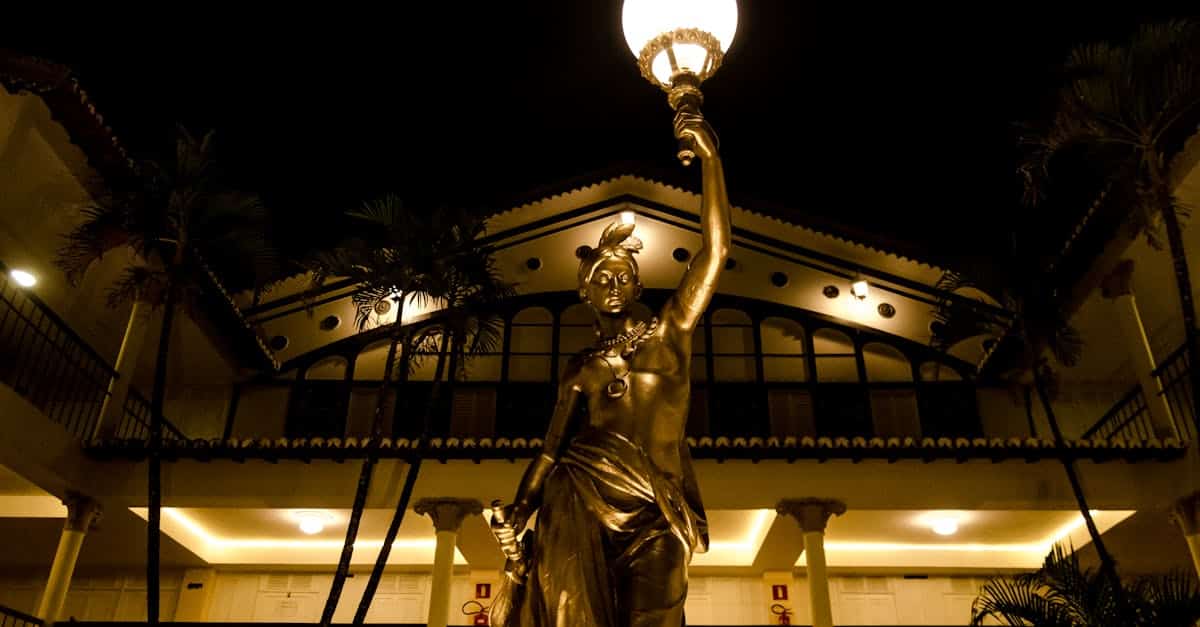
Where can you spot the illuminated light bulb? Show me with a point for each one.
(628, 217)
(679, 36)
(23, 278)
(312, 523)
(859, 288)
(944, 527)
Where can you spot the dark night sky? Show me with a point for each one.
(892, 120)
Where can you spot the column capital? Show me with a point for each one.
(83, 512)
(1119, 282)
(811, 513)
(1186, 514)
(448, 513)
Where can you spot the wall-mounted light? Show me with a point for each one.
(24, 278)
(859, 287)
(313, 522)
(628, 217)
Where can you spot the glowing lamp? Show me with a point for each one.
(628, 217)
(672, 37)
(23, 278)
(678, 44)
(944, 526)
(859, 287)
(312, 523)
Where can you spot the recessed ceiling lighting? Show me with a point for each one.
(312, 522)
(942, 523)
(945, 527)
(23, 278)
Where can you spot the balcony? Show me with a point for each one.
(58, 372)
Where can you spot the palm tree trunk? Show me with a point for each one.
(364, 477)
(154, 490)
(1183, 282)
(410, 481)
(1029, 411)
(1106, 560)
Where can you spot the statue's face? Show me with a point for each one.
(613, 288)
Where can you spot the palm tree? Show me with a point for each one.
(1063, 594)
(1040, 325)
(169, 213)
(1127, 110)
(401, 257)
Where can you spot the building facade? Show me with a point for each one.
(806, 397)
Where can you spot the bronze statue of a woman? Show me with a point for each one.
(618, 508)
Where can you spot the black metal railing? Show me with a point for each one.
(135, 421)
(1130, 418)
(46, 362)
(522, 410)
(1175, 377)
(12, 618)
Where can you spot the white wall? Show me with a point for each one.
(404, 597)
(102, 597)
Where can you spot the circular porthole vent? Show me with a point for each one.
(329, 323)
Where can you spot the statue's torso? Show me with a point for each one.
(653, 411)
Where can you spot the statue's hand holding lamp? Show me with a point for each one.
(678, 45)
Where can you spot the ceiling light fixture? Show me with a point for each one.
(24, 278)
(859, 287)
(313, 522)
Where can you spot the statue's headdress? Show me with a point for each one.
(616, 242)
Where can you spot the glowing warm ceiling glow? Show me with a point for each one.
(221, 550)
(24, 278)
(313, 522)
(942, 523)
(945, 527)
(1020, 555)
(738, 552)
(31, 506)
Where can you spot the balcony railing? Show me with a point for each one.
(46, 362)
(1175, 379)
(135, 423)
(1130, 419)
(12, 618)
(522, 410)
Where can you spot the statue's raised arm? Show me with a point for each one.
(699, 282)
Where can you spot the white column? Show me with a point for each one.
(113, 408)
(1118, 288)
(82, 513)
(812, 516)
(1187, 516)
(447, 515)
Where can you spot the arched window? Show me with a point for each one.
(732, 346)
(886, 364)
(783, 350)
(531, 345)
(836, 362)
(893, 399)
(369, 364)
(484, 364)
(330, 368)
(933, 372)
(576, 332)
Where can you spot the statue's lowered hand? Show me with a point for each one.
(505, 531)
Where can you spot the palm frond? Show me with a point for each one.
(1018, 601)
